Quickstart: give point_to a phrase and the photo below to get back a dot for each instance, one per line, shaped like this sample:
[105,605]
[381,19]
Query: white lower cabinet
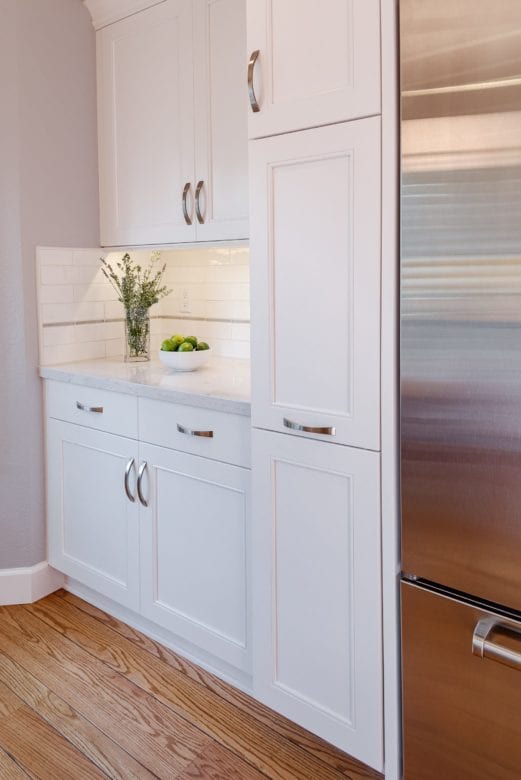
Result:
[194,551]
[93,527]
[158,530]
[317,592]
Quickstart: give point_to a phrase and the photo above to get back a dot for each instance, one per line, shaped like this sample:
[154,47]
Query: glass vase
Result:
[137,335]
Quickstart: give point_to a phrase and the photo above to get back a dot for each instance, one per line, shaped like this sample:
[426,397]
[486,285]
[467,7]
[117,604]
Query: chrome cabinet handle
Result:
[128,469]
[186,215]
[190,432]
[140,473]
[308,428]
[484,647]
[251,92]
[83,408]
[198,214]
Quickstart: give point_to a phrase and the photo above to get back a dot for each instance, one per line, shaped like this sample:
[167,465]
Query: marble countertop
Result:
[222,384]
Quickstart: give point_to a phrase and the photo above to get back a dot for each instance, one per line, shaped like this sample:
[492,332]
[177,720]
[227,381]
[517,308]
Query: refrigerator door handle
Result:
[484,647]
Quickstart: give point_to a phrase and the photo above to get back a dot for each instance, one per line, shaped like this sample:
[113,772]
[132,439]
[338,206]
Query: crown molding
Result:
[104,12]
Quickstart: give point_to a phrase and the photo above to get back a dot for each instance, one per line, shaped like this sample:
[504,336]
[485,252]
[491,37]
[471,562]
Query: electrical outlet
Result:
[185,303]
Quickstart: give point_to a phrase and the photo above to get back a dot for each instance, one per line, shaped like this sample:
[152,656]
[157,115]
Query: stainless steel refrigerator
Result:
[461,388]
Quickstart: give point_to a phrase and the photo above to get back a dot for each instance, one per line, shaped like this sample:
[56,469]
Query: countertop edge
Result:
[201,400]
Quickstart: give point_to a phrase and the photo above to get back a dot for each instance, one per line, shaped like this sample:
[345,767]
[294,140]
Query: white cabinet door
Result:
[316,589]
[93,528]
[318,63]
[146,126]
[315,263]
[194,551]
[221,119]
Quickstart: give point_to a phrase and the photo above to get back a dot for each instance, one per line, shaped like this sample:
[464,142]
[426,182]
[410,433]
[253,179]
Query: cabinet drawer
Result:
[93,408]
[182,428]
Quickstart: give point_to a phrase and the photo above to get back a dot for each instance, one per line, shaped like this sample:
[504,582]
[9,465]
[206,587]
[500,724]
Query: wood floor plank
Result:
[215,763]
[41,751]
[9,769]
[149,731]
[325,752]
[9,702]
[109,757]
[248,738]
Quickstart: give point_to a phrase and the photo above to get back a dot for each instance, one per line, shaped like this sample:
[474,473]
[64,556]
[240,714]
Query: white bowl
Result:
[184,361]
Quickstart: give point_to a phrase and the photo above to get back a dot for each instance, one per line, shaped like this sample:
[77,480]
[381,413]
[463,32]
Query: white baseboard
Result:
[28,584]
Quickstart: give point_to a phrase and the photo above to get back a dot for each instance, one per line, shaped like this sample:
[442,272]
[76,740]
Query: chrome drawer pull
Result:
[200,218]
[484,647]
[308,428]
[186,215]
[130,466]
[140,473]
[189,432]
[83,408]
[251,92]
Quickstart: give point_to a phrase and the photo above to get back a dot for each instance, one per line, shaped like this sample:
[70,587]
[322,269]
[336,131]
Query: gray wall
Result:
[48,196]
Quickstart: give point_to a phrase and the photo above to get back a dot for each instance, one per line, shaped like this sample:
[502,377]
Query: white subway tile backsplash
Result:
[89,311]
[227,292]
[57,312]
[113,310]
[94,292]
[67,353]
[88,257]
[229,273]
[61,334]
[115,347]
[57,274]
[240,331]
[48,256]
[56,293]
[72,289]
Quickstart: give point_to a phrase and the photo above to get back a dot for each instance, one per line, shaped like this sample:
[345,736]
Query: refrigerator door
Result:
[461,295]
[462,712]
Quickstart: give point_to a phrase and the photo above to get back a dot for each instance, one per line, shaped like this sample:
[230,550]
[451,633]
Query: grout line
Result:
[204,319]
[154,317]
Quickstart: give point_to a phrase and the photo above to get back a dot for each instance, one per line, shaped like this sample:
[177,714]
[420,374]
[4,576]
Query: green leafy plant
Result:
[137,287]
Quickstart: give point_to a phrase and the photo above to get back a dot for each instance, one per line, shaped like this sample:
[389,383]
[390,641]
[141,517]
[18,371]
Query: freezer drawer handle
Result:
[484,647]
[308,428]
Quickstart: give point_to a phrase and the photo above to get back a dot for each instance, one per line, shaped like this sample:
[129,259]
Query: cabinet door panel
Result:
[319,63]
[93,526]
[221,113]
[317,601]
[193,547]
[315,249]
[145,117]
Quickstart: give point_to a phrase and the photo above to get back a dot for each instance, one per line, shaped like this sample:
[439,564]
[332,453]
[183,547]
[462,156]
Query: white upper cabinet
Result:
[318,63]
[145,124]
[315,249]
[172,119]
[221,119]
[317,598]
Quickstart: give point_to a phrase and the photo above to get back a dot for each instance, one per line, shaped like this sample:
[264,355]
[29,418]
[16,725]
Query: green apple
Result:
[167,346]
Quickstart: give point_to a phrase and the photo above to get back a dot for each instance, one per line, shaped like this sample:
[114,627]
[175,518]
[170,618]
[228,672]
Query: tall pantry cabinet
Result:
[315,226]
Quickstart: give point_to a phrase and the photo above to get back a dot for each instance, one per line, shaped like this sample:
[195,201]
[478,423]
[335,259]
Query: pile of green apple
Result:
[178,343]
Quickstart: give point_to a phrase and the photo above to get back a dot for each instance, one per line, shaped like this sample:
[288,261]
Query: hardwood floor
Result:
[83,695]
